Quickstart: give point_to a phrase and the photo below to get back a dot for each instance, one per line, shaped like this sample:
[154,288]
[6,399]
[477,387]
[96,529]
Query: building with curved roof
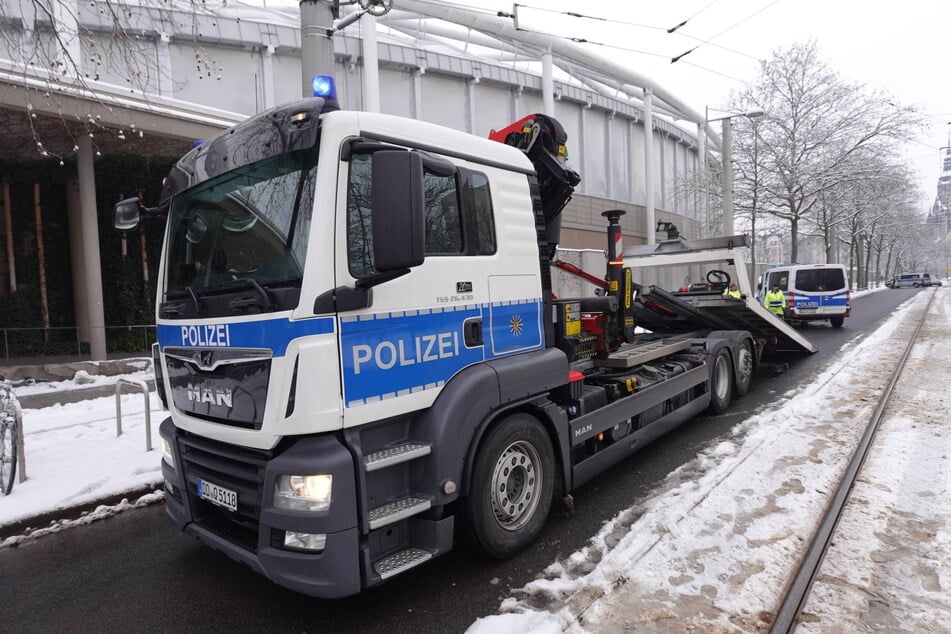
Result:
[84,81]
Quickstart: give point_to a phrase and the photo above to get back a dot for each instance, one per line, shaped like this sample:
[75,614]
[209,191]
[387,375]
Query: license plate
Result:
[217,495]
[806,311]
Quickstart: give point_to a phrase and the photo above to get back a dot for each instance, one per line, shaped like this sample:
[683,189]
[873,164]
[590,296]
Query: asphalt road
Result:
[134,573]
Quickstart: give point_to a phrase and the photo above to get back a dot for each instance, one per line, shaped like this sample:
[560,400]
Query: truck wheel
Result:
[744,368]
[721,383]
[837,321]
[512,486]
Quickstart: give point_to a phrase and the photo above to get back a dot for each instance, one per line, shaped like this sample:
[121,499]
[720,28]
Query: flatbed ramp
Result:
[660,310]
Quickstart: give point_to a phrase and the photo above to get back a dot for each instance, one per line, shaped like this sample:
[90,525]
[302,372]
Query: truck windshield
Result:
[249,224]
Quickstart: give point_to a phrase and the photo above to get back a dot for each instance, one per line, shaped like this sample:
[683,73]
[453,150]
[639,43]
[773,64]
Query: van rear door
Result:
[821,290]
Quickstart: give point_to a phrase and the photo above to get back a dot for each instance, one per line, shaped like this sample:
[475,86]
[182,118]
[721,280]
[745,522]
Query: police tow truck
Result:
[362,358]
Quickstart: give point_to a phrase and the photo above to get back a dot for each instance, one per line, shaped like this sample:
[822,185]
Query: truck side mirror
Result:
[398,200]
[126,214]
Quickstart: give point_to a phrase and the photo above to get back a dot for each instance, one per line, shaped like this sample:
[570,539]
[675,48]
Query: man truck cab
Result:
[813,291]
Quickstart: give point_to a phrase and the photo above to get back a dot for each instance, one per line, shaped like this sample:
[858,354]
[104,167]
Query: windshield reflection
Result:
[249,224]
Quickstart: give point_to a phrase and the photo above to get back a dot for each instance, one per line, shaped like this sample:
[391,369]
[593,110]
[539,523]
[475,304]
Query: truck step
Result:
[398,562]
[395,455]
[397,510]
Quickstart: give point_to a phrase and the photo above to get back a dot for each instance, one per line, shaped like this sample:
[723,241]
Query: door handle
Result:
[472,332]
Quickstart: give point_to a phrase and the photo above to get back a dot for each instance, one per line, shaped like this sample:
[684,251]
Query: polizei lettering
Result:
[213,336]
[204,394]
[390,354]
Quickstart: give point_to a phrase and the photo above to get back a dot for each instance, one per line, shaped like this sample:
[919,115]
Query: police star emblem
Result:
[515,325]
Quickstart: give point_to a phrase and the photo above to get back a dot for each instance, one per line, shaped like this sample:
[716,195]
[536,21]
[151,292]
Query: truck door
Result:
[427,325]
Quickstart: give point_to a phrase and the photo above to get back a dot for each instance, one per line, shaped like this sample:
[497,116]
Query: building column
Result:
[548,84]
[92,294]
[471,105]
[78,266]
[649,165]
[515,103]
[418,92]
[267,77]
[166,87]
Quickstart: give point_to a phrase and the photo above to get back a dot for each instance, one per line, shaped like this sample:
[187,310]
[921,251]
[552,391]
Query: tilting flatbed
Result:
[672,312]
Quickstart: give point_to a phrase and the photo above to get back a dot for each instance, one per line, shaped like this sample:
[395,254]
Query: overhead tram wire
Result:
[675,28]
[575,14]
[729,28]
[579,40]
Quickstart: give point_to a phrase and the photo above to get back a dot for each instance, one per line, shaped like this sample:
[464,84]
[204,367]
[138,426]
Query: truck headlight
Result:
[167,453]
[303,492]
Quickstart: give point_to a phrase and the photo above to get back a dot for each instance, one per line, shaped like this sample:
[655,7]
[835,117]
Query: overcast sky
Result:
[891,46]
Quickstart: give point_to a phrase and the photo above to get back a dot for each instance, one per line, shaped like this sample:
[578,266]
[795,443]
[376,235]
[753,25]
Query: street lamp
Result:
[726,153]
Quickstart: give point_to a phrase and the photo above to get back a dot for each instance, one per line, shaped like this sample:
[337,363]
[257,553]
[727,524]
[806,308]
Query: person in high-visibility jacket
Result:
[775,301]
[732,292]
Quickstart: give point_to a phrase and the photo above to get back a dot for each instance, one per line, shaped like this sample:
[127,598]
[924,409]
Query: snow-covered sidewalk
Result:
[713,550]
[74,456]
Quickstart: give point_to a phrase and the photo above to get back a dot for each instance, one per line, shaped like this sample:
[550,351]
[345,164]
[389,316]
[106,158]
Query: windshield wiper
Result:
[185,290]
[199,308]
[263,300]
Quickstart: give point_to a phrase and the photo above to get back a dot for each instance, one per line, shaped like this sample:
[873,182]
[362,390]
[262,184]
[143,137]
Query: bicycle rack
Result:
[148,413]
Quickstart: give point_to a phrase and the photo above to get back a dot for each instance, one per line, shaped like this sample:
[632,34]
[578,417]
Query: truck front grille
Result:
[228,387]
[235,468]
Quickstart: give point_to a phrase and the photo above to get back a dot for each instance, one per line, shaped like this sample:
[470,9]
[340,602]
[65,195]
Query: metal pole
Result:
[316,42]
[702,180]
[371,64]
[649,166]
[727,154]
[148,414]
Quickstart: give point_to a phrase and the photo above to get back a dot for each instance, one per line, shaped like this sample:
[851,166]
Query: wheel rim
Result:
[516,481]
[722,382]
[745,363]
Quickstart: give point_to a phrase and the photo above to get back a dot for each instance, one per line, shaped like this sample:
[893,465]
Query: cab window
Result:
[458,215]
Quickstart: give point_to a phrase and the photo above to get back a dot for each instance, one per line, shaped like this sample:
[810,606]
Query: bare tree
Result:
[818,132]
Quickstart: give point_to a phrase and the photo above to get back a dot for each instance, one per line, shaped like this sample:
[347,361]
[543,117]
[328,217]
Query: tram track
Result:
[801,582]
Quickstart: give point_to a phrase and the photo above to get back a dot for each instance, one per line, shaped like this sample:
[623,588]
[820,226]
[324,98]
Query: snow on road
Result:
[713,550]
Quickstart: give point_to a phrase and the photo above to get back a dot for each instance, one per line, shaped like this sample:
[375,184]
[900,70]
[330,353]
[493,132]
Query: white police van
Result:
[813,291]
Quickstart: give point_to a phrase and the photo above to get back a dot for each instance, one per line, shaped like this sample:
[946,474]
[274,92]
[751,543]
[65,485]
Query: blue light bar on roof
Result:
[324,86]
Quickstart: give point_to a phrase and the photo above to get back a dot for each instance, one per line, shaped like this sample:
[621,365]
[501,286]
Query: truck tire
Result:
[512,486]
[721,382]
[837,321]
[744,367]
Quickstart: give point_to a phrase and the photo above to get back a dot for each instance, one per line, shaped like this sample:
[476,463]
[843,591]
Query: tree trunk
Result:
[794,248]
[41,261]
[8,224]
